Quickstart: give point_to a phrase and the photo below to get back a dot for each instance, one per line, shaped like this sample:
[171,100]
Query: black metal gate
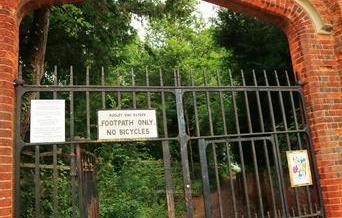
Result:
[232,132]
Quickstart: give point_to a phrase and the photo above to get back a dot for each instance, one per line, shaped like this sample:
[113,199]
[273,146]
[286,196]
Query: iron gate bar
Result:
[231,180]
[84,141]
[312,156]
[183,141]
[103,94]
[134,92]
[73,173]
[282,108]
[18,148]
[99,88]
[148,93]
[178,91]
[277,152]
[54,153]
[37,169]
[225,131]
[298,137]
[315,172]
[309,215]
[251,139]
[37,183]
[87,105]
[202,146]
[167,157]
[194,97]
[262,127]
[250,128]
[237,124]
[80,179]
[214,149]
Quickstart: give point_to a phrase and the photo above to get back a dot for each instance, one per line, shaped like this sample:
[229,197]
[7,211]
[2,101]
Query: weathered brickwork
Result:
[8,66]
[317,61]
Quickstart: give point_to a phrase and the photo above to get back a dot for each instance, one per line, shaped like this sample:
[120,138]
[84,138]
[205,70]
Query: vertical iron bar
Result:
[231,179]
[187,121]
[54,153]
[312,156]
[88,104]
[167,157]
[213,145]
[308,193]
[103,94]
[293,212]
[72,147]
[255,162]
[55,81]
[282,108]
[262,127]
[168,180]
[183,140]
[227,147]
[205,177]
[18,148]
[37,164]
[148,93]
[240,147]
[82,205]
[275,156]
[37,182]
[188,126]
[304,210]
[119,93]
[222,105]
[194,97]
[179,81]
[133,93]
[17,181]
[277,152]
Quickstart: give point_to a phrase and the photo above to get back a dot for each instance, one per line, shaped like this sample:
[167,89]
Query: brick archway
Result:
[316,57]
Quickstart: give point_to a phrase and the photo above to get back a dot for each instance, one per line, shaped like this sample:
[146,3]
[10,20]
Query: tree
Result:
[78,36]
[255,44]
[38,36]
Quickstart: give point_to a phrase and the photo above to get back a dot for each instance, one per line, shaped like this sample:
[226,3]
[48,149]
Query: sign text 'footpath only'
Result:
[127,124]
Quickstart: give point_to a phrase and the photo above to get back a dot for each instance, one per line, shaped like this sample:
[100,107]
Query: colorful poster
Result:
[299,168]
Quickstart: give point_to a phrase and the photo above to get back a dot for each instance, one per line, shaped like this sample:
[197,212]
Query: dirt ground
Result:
[227,203]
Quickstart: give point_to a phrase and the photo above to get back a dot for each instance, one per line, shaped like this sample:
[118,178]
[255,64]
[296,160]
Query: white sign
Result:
[47,121]
[299,168]
[127,124]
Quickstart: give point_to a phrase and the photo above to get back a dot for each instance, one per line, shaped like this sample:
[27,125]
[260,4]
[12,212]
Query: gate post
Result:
[9,33]
[183,141]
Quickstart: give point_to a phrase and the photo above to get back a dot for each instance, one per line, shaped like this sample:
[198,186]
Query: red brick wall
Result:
[317,61]
[8,66]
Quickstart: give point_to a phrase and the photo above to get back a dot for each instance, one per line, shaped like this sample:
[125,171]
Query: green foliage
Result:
[81,33]
[46,187]
[185,45]
[255,45]
[131,182]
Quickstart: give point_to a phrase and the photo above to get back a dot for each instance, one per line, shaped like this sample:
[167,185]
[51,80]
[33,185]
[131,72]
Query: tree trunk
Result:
[38,40]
